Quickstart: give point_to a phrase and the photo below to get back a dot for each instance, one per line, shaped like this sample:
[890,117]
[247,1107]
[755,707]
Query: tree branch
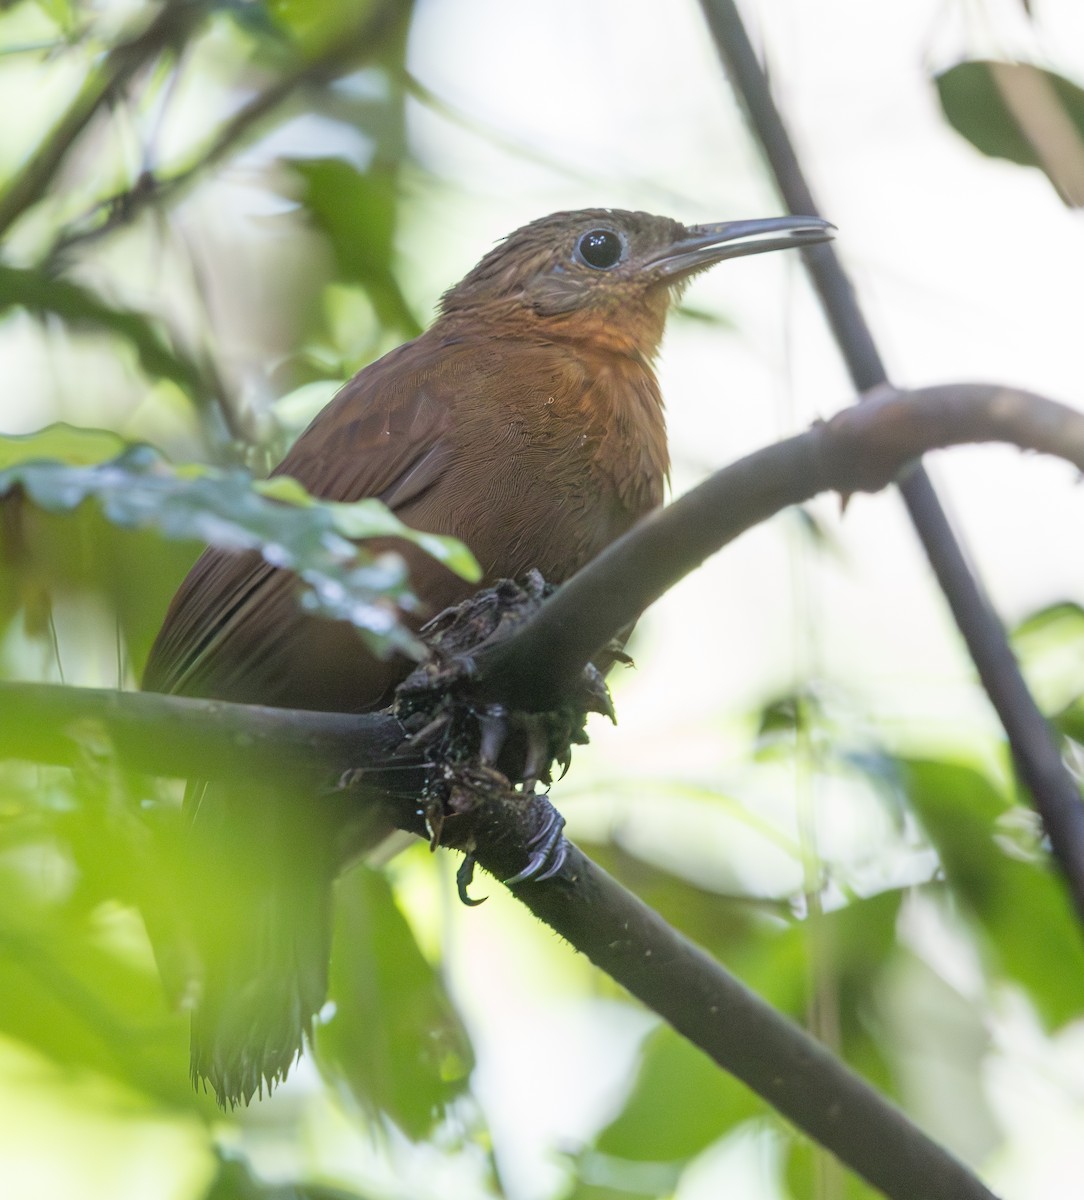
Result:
[102,86]
[172,735]
[862,448]
[794,1073]
[347,53]
[1038,760]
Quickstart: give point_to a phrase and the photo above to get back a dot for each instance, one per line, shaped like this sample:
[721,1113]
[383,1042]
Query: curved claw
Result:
[549,850]
[463,879]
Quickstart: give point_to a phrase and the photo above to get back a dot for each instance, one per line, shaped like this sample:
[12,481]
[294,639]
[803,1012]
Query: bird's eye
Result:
[600,248]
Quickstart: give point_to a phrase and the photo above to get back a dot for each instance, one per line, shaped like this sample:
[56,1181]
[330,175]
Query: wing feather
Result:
[232,629]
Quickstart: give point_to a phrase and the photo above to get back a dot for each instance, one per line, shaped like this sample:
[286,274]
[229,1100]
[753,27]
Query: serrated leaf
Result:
[394,1041]
[1021,113]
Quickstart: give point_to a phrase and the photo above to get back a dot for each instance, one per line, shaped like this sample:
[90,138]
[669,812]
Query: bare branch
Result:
[103,86]
[348,53]
[862,448]
[175,735]
[795,1074]
[1053,790]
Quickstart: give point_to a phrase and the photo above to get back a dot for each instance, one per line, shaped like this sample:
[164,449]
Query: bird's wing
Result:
[386,434]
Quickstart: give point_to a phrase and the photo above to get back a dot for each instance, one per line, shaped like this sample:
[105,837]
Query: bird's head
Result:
[606,269]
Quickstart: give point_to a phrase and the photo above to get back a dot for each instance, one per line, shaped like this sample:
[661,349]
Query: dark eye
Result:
[600,248]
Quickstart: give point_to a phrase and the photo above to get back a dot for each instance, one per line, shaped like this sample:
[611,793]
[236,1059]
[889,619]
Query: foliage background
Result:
[805,777]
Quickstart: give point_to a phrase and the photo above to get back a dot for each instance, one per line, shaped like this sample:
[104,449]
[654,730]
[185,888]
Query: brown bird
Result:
[527,422]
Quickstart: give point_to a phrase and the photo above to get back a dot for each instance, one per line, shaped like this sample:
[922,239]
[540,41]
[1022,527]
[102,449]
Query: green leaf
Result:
[996,868]
[394,1040]
[1009,110]
[83,1004]
[371,518]
[139,490]
[357,211]
[68,443]
[804,1178]
[235,1181]
[1050,646]
[680,1104]
[81,308]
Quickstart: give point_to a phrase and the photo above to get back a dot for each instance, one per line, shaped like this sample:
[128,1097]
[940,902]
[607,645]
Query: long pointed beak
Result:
[704,245]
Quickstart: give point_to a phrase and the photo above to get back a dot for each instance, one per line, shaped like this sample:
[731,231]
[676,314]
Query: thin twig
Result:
[348,53]
[103,86]
[1053,790]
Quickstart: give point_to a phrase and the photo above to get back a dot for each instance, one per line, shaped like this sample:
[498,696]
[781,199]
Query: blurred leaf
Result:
[599,1176]
[235,1181]
[790,713]
[1022,113]
[357,211]
[680,1104]
[227,509]
[1050,646]
[68,443]
[1007,885]
[82,1004]
[803,1175]
[316,24]
[394,1040]
[720,923]
[1063,621]
[1070,721]
[81,308]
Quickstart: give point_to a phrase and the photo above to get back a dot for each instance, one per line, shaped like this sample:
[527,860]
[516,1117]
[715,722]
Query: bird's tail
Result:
[261,874]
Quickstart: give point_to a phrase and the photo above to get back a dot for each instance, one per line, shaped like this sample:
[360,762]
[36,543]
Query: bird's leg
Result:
[490,761]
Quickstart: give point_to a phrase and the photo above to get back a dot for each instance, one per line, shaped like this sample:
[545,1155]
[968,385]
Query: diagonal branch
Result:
[862,448]
[1035,750]
[599,917]
[795,1074]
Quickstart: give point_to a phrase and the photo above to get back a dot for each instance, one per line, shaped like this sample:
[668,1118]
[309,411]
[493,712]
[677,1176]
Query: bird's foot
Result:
[548,849]
[488,764]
